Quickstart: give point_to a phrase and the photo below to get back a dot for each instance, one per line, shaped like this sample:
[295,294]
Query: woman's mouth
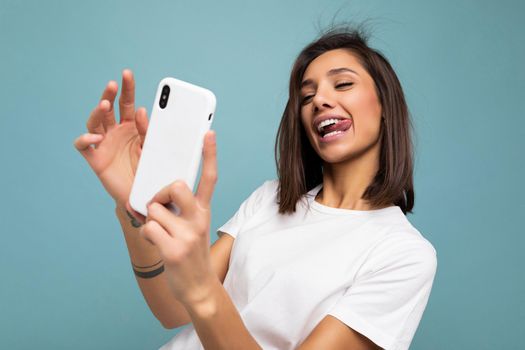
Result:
[333,129]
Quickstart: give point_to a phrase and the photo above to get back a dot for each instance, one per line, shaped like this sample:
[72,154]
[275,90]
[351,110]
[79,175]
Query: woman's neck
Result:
[344,183]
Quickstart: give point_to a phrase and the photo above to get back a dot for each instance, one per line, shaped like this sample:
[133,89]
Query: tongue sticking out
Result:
[343,125]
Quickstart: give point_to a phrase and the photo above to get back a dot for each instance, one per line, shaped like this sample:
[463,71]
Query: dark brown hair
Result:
[299,167]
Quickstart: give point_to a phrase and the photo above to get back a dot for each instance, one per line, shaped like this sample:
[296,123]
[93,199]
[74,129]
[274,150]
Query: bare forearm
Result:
[218,323]
[141,252]
[156,291]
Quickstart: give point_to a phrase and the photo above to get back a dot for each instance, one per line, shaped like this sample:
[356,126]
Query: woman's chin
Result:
[335,158]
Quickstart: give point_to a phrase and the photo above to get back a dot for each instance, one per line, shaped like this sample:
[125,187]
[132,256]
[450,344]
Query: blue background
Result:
[66,276]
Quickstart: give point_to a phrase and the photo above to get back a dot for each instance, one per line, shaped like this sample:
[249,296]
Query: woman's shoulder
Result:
[262,193]
[405,243]
[266,189]
[271,185]
[399,238]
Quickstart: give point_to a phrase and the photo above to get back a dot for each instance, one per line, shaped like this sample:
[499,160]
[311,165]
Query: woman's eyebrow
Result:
[331,72]
[340,70]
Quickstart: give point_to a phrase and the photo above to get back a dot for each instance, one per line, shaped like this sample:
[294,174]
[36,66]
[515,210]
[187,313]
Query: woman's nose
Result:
[322,100]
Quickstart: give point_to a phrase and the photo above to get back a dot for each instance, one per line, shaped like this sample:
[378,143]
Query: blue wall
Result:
[66,277]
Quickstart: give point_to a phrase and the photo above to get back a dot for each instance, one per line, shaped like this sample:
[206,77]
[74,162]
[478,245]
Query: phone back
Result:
[173,144]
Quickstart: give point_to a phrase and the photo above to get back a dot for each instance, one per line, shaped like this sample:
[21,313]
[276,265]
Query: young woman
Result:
[322,257]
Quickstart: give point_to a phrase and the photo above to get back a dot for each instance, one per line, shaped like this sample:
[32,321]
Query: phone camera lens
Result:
[164,97]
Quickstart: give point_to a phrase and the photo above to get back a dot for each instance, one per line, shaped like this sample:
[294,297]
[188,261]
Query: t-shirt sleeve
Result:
[248,208]
[386,301]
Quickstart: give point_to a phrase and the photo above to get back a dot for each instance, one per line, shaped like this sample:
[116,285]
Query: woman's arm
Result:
[160,299]
[166,308]
[218,323]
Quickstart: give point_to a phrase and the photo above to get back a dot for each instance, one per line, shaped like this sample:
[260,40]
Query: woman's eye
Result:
[306,99]
[348,83]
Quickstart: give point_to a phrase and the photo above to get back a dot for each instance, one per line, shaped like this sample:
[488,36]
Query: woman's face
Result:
[335,86]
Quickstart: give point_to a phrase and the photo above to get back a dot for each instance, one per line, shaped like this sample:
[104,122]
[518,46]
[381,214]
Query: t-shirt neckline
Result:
[340,211]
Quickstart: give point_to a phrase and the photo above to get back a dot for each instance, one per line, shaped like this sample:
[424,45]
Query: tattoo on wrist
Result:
[146,267]
[134,222]
[149,274]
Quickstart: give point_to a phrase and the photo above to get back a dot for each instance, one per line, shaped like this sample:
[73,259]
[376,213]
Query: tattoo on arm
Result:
[134,222]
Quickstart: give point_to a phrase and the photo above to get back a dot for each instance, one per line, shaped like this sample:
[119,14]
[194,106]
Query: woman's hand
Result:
[113,150]
[183,240]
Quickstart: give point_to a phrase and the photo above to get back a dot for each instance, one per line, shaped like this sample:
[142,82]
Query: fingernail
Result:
[212,137]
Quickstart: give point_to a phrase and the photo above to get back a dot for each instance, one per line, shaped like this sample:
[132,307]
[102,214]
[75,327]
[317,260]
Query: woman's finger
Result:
[109,94]
[164,217]
[95,122]
[108,117]
[127,96]
[141,121]
[209,170]
[84,142]
[110,91]
[179,194]
[156,235]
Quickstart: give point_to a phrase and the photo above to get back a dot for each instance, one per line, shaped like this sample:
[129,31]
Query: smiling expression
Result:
[337,88]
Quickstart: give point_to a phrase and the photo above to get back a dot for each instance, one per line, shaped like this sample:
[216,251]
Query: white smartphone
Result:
[182,113]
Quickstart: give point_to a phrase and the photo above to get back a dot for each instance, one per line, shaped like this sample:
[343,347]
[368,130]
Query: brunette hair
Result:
[299,167]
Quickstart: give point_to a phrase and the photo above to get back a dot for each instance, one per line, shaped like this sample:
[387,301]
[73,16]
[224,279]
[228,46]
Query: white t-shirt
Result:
[372,270]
